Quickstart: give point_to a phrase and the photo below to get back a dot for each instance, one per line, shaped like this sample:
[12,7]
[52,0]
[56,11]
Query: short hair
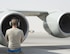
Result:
[14,21]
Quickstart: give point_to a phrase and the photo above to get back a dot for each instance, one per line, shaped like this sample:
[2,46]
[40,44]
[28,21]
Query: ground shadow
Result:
[38,49]
[57,47]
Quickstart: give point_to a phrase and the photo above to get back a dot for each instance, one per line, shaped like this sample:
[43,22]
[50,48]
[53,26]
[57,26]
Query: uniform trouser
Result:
[15,51]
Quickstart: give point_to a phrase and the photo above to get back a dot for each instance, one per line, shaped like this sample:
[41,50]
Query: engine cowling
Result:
[58,24]
[5,17]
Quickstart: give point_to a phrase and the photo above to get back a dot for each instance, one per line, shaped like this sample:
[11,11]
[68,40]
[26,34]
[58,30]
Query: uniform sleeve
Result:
[6,36]
[22,36]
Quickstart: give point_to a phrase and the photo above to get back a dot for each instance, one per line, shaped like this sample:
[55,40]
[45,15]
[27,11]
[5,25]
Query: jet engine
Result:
[5,17]
[58,24]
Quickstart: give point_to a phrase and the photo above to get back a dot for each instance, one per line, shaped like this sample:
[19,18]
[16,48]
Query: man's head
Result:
[14,22]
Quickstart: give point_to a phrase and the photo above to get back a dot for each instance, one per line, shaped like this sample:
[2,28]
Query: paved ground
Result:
[41,43]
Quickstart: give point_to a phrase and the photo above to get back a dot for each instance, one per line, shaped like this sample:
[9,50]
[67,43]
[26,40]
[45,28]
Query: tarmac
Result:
[43,43]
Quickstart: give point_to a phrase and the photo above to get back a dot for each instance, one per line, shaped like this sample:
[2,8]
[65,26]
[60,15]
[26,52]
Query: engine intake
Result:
[5,18]
[64,23]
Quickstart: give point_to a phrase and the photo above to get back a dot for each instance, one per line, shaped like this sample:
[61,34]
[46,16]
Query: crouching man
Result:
[14,37]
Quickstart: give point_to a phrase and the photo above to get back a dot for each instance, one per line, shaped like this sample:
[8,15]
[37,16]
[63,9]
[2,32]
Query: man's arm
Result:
[22,36]
[6,38]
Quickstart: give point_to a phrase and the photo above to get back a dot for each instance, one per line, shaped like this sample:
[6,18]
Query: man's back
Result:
[15,37]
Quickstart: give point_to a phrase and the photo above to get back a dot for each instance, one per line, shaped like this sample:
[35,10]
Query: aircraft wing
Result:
[57,23]
[41,14]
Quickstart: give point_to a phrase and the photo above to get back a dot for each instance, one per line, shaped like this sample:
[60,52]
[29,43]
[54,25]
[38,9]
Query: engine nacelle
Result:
[58,24]
[5,17]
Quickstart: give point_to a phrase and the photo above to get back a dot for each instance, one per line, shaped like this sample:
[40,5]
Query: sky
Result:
[35,4]
[38,5]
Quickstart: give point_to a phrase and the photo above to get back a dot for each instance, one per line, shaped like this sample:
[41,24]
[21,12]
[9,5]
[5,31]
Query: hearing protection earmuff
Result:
[18,23]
